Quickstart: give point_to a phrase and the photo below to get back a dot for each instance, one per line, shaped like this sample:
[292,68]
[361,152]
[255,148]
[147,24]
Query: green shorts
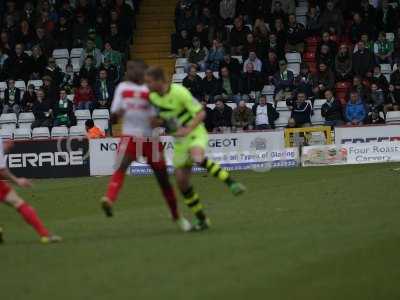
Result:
[197,138]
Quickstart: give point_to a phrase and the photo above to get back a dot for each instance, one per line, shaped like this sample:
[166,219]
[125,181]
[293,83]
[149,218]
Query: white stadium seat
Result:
[294,57]
[180,65]
[386,68]
[3,86]
[239,58]
[318,103]
[281,106]
[76,52]
[77,131]
[283,118]
[26,119]
[59,132]
[20,84]
[6,133]
[316,118]
[22,133]
[268,90]
[201,74]
[39,133]
[301,11]
[178,78]
[60,53]
[393,117]
[101,118]
[36,83]
[62,63]
[82,115]
[8,121]
[76,64]
[302,20]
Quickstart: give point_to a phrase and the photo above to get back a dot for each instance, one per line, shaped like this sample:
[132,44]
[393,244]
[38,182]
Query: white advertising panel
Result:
[233,151]
[367,134]
[366,153]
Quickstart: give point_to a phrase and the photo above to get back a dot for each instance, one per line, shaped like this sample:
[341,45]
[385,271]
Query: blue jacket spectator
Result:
[355,110]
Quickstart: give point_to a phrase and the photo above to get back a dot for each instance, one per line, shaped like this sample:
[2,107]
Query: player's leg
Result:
[1,235]
[28,214]
[125,156]
[197,146]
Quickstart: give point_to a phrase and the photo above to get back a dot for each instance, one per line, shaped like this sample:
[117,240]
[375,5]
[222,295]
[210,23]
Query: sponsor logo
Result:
[259,143]
[223,143]
[378,139]
[22,160]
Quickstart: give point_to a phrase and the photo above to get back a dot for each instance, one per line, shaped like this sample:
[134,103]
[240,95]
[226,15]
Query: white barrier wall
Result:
[234,151]
[367,134]
[348,154]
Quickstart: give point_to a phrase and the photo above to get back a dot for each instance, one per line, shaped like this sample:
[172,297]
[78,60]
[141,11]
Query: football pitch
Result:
[311,233]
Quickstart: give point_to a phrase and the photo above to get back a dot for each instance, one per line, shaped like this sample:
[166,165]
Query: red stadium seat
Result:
[313,67]
[342,86]
[309,57]
[312,41]
[342,98]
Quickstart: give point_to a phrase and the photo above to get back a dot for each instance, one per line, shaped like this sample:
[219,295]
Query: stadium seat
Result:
[76,64]
[3,86]
[40,133]
[25,119]
[8,121]
[101,118]
[201,74]
[294,67]
[22,133]
[62,63]
[393,117]
[342,87]
[61,53]
[216,74]
[229,27]
[281,106]
[309,57]
[386,68]
[76,52]
[390,36]
[77,131]
[312,41]
[178,78]
[239,58]
[316,118]
[268,90]
[37,83]
[231,105]
[82,115]
[28,52]
[302,20]
[6,133]
[59,132]
[318,103]
[20,84]
[180,65]
[293,57]
[283,118]
[302,4]
[301,10]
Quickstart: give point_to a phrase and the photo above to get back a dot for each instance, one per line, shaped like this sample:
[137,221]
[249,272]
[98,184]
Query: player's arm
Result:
[116,106]
[20,181]
[196,121]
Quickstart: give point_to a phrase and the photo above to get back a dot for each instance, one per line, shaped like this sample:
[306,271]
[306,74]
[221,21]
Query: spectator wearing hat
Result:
[63,110]
[343,64]
[242,117]
[93,52]
[84,97]
[355,112]
[28,99]
[12,98]
[265,114]
[331,110]
[103,90]
[283,81]
[221,116]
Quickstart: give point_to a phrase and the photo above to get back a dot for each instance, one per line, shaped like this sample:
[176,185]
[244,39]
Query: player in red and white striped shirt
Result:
[131,103]
[10,197]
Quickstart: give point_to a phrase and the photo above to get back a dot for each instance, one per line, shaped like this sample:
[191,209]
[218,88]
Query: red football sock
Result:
[170,198]
[30,217]
[115,185]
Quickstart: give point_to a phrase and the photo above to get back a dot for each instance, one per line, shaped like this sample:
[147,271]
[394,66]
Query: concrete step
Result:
[162,24]
[151,55]
[161,39]
[157,10]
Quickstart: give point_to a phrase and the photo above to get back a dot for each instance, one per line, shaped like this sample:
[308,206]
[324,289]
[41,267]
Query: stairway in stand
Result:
[152,39]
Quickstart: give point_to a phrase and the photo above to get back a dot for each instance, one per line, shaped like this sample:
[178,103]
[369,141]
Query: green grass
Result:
[312,233]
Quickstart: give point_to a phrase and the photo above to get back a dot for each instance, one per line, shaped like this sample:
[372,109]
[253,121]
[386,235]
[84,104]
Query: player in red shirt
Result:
[131,103]
[10,197]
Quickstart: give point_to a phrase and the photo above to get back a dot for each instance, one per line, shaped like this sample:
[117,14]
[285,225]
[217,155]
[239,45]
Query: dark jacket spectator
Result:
[222,116]
[343,64]
[12,98]
[42,111]
[208,121]
[323,80]
[103,90]
[252,81]
[331,110]
[332,17]
[231,63]
[210,86]
[229,85]
[386,17]
[284,79]
[89,71]
[28,99]
[20,64]
[193,83]
[237,36]
[53,71]
[301,111]
[363,60]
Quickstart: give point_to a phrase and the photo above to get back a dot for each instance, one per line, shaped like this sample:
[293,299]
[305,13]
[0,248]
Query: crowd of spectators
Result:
[342,46]
[32,30]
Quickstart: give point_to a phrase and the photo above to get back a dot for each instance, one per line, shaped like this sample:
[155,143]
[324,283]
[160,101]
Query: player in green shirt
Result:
[183,116]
